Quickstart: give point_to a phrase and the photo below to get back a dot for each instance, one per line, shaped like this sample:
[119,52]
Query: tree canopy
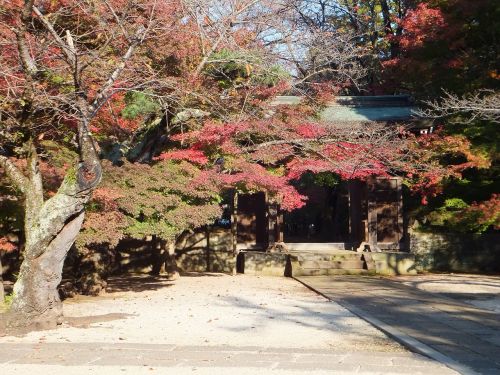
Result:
[141,114]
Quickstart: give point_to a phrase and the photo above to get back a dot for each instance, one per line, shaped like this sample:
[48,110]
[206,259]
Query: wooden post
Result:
[400,212]
[280,224]
[207,248]
[372,213]
[234,230]
[272,214]
[356,222]
[349,205]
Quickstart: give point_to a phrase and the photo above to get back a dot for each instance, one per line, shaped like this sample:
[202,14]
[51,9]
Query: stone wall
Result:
[456,252]
[263,264]
[394,263]
[202,251]
[207,251]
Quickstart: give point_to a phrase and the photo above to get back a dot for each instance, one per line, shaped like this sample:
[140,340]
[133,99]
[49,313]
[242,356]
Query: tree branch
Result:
[484,104]
[227,24]
[295,141]
[203,62]
[35,177]
[101,96]
[27,61]
[68,50]
[14,174]
[125,33]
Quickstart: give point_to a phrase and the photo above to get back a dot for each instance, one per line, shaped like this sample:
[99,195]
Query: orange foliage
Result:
[6,245]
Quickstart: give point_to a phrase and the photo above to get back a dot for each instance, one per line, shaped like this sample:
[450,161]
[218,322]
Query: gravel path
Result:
[209,324]
[213,310]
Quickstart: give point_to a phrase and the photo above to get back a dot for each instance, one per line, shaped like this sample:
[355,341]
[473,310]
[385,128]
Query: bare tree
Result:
[306,40]
[217,22]
[308,50]
[480,105]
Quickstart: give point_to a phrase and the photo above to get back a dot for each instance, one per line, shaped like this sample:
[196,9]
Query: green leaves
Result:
[271,76]
[454,204]
[139,104]
[139,200]
[232,68]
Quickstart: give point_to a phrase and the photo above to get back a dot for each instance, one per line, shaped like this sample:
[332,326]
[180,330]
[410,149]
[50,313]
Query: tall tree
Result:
[449,59]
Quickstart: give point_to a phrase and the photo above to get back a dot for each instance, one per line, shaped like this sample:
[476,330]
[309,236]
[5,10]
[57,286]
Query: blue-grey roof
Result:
[362,114]
[361,108]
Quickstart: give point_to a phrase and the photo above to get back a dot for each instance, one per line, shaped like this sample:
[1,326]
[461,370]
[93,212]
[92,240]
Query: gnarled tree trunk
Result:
[51,227]
[36,298]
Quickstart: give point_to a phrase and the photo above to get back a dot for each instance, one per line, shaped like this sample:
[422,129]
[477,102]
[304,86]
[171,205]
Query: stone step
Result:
[385,263]
[330,272]
[317,246]
[338,264]
[336,259]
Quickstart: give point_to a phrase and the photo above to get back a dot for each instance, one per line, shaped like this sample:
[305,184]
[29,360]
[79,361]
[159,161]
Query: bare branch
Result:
[14,174]
[118,21]
[67,48]
[102,95]
[27,61]
[204,61]
[483,104]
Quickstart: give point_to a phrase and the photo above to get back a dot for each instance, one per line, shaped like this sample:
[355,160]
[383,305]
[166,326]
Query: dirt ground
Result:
[213,309]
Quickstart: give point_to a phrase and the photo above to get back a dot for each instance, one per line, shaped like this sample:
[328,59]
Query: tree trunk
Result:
[163,258]
[36,299]
[158,256]
[50,227]
[386,15]
[170,262]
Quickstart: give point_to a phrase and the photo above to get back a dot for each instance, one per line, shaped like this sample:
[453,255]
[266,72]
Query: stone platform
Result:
[310,262]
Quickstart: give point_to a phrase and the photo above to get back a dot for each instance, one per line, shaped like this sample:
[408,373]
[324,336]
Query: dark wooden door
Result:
[252,225]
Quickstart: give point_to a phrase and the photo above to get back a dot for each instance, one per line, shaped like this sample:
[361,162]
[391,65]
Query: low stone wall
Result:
[202,251]
[206,251]
[456,252]
[211,251]
[262,264]
[394,263]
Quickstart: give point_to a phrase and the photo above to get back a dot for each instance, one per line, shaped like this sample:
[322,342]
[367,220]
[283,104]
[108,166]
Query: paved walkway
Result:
[119,358]
[464,334]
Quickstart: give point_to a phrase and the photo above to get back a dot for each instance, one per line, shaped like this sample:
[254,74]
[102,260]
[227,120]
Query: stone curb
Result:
[407,341]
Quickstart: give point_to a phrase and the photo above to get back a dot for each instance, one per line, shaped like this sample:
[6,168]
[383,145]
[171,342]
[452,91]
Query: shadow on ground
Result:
[464,333]
[86,321]
[137,283]
[141,282]
[202,274]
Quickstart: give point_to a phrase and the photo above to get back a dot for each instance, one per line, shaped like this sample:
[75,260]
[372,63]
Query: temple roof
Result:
[362,108]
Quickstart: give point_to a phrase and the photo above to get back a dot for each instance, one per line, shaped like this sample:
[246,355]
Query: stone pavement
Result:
[119,358]
[466,336]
